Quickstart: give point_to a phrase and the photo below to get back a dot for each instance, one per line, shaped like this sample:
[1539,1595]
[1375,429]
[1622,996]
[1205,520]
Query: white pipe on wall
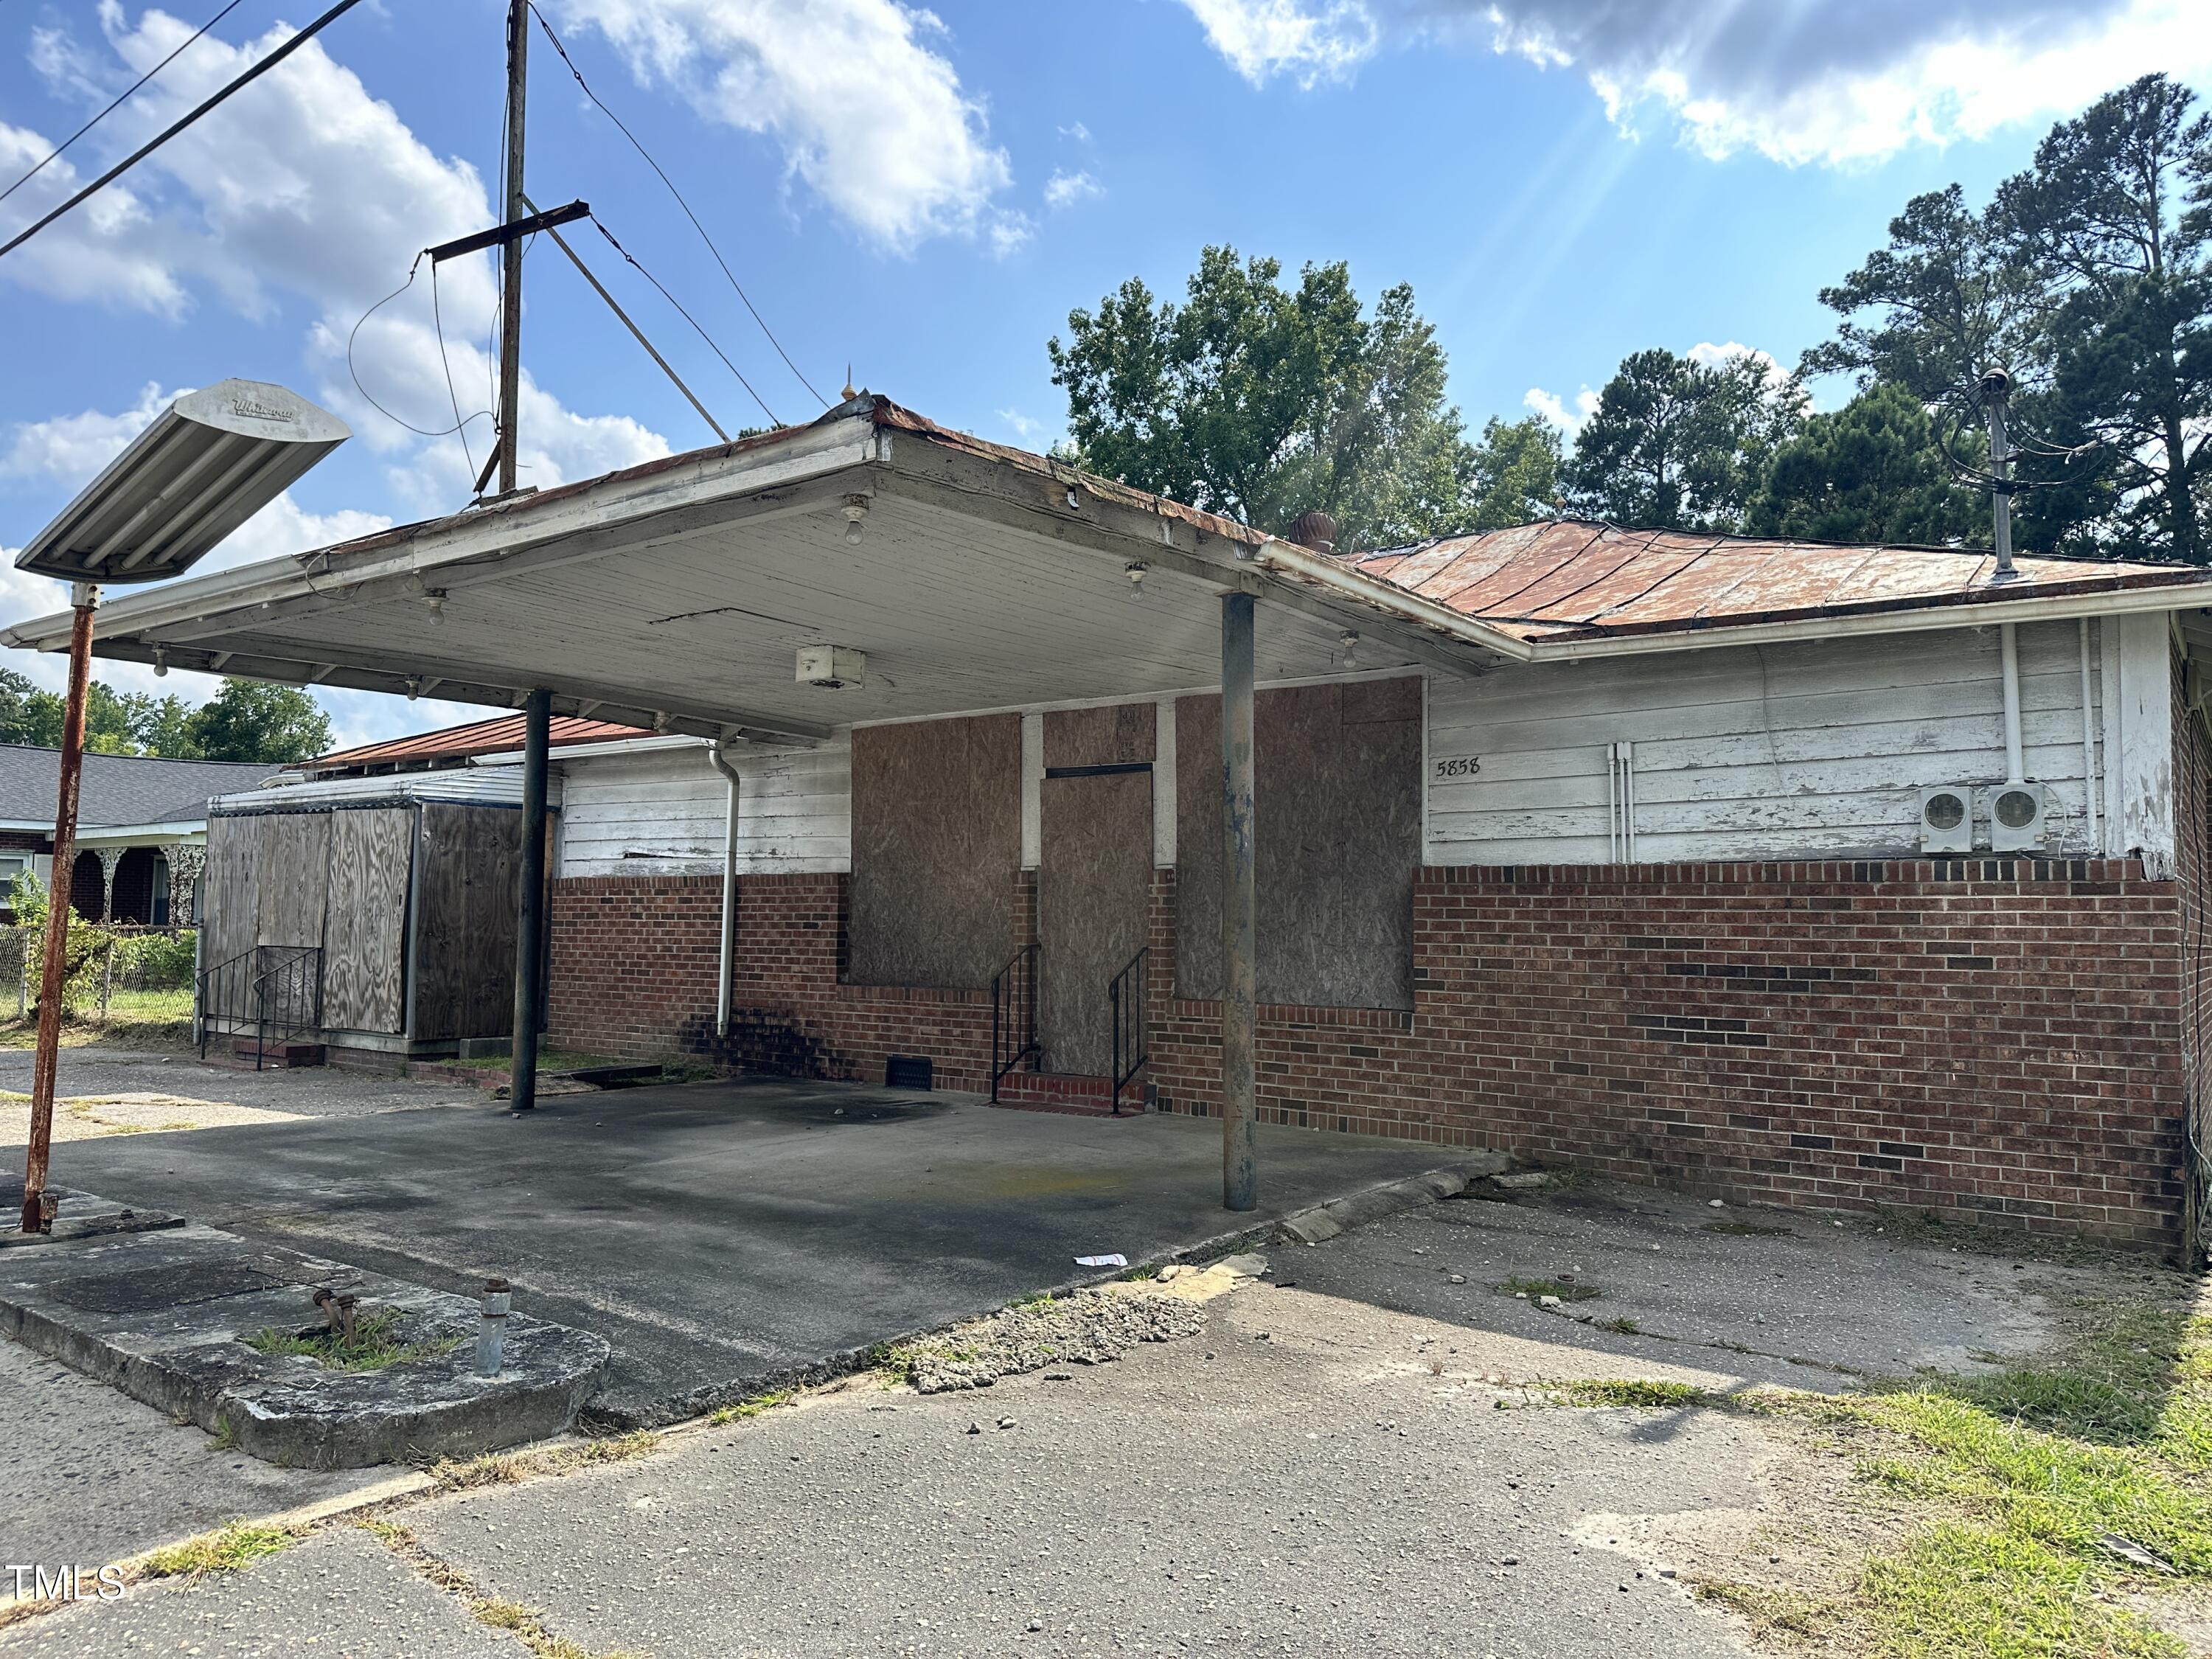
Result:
[2008,640]
[2089,742]
[719,755]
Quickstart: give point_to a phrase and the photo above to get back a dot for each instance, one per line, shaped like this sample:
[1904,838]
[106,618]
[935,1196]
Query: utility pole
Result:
[1996,387]
[510,257]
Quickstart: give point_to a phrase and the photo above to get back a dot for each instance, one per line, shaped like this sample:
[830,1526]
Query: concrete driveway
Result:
[725,1235]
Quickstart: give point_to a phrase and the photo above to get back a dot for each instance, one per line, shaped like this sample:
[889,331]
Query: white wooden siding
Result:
[1806,749]
[661,813]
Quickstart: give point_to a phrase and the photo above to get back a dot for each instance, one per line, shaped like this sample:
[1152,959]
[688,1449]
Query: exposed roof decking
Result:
[491,737]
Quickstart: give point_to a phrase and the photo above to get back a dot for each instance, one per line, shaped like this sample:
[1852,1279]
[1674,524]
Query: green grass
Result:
[231,1549]
[502,1469]
[376,1346]
[1619,1327]
[1566,1290]
[2006,1485]
[749,1408]
[1636,1391]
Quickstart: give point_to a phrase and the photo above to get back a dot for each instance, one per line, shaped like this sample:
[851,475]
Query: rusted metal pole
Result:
[1240,1175]
[529,915]
[84,597]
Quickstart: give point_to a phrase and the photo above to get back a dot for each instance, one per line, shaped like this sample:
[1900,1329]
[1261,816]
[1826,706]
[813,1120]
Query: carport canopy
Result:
[678,595]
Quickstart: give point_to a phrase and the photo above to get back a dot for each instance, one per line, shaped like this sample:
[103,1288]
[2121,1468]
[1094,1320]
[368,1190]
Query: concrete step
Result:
[1071,1092]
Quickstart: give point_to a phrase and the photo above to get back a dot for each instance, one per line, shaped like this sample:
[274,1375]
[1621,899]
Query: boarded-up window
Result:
[1337,839]
[937,840]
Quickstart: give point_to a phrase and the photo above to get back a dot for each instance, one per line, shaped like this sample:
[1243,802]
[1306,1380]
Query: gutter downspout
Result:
[719,755]
[2010,642]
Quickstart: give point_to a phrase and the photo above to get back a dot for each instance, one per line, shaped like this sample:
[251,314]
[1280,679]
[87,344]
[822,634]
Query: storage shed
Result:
[371,916]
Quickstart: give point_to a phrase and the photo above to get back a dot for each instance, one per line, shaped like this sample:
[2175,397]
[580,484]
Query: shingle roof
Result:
[493,737]
[1569,578]
[120,788]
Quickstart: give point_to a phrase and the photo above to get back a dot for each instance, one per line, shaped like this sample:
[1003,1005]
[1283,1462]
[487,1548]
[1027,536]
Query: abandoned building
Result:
[1826,875]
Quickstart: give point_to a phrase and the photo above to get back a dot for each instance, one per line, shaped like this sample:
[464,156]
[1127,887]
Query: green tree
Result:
[1513,476]
[1871,471]
[1678,444]
[253,720]
[1261,402]
[2115,221]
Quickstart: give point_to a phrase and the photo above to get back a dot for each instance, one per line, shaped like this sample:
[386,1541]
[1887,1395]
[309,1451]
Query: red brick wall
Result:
[1995,1038]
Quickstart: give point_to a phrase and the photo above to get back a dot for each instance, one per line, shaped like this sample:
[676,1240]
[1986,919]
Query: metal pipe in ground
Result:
[84,598]
[491,1326]
[1240,1175]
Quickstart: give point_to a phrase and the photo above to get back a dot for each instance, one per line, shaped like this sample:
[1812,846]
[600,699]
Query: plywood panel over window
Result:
[1337,839]
[937,840]
[363,955]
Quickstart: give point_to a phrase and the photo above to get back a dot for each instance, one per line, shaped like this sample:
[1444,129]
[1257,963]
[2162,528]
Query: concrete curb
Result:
[1312,1225]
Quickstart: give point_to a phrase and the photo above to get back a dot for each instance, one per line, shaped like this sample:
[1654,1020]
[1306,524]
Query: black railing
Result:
[1013,1014]
[1125,992]
[273,992]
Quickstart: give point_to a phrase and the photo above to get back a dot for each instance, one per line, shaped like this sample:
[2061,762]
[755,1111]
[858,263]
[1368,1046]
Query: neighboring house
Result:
[452,746]
[141,823]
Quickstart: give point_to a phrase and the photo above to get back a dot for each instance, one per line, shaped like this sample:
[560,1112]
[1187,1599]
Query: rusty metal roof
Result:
[458,743]
[1573,578]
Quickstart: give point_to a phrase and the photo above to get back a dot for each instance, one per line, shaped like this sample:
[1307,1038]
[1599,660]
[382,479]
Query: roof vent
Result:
[1315,529]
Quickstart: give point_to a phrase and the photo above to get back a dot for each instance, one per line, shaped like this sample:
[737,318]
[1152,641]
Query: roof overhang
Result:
[676,595]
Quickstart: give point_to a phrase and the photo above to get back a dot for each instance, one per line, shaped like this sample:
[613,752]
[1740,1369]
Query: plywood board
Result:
[1094,888]
[229,906]
[293,877]
[364,959]
[1112,736]
[1336,837]
[464,940]
[936,847]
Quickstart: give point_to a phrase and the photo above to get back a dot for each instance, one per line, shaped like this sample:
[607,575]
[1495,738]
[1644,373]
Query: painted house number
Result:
[1460,766]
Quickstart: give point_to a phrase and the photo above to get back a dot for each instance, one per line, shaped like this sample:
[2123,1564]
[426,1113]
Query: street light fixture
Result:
[207,464]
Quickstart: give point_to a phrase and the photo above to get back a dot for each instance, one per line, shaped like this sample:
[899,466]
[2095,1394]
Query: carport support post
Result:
[84,597]
[530,919]
[1240,900]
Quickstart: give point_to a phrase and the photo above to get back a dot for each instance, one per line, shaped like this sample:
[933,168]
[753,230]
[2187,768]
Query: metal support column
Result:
[530,919]
[516,206]
[1240,1175]
[84,597]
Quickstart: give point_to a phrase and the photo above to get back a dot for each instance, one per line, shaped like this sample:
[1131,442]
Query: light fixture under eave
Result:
[856,514]
[160,661]
[436,600]
[1347,649]
[209,462]
[1135,571]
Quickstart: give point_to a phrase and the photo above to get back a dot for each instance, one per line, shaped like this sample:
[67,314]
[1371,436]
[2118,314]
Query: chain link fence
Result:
[124,974]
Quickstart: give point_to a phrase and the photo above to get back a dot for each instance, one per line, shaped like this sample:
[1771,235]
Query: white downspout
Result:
[718,754]
[2008,640]
[2088,743]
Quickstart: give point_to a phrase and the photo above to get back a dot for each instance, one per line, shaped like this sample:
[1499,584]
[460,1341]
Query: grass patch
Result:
[1636,1391]
[1622,1327]
[376,1346]
[1565,1289]
[504,1469]
[2024,1492]
[230,1549]
[525,1624]
[749,1408]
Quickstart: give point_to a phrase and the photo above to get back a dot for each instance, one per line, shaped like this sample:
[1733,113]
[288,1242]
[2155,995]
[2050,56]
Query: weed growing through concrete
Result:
[1636,1391]
[230,1549]
[748,1408]
[1621,1326]
[2036,1497]
[504,1469]
[1565,1289]
[527,1625]
[376,1346]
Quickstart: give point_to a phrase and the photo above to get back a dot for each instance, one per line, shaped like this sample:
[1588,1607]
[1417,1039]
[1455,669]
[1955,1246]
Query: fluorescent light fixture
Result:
[209,461]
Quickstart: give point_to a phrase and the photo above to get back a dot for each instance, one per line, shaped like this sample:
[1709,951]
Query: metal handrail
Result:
[278,988]
[1013,1014]
[1125,993]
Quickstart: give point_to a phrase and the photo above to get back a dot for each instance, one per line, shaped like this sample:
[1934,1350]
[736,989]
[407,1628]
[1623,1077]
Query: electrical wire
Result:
[686,206]
[124,97]
[689,318]
[368,397]
[438,322]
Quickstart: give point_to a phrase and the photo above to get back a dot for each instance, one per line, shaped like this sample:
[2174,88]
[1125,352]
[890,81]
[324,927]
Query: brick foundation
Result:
[1992,1038]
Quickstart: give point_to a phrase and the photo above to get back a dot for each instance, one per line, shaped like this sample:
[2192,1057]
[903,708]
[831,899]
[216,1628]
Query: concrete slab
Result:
[726,1236]
[167,1317]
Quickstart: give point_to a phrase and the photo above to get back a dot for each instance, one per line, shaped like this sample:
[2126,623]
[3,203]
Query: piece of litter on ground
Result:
[1116,1260]
[2129,1551]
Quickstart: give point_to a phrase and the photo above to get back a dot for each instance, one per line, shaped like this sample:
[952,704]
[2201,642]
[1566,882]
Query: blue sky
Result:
[924,194]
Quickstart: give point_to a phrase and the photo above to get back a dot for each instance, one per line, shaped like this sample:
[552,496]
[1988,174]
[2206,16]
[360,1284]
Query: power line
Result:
[438,323]
[369,398]
[111,109]
[681,203]
[688,318]
[178,126]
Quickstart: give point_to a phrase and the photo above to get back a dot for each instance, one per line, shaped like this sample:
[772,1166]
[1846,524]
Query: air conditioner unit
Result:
[2015,816]
[1947,819]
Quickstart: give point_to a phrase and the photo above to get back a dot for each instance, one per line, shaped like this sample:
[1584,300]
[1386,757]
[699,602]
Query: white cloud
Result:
[1021,426]
[70,448]
[1709,355]
[1553,408]
[1310,39]
[868,115]
[1076,130]
[1828,81]
[1064,190]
